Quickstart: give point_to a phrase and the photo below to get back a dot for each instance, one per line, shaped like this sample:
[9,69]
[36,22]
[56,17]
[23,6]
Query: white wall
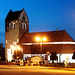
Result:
[26,55]
[9,55]
[63,57]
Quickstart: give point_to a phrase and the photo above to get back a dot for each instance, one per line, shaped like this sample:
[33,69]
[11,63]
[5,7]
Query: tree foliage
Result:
[18,55]
[73,57]
[53,57]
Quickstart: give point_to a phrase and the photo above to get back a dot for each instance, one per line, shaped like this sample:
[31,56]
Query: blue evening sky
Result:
[44,15]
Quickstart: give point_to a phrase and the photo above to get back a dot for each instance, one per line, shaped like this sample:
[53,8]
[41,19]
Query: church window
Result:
[6,41]
[23,17]
[10,26]
[14,26]
[22,25]
[25,26]
[17,40]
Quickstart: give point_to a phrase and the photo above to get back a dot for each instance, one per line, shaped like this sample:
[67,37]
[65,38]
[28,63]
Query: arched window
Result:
[22,25]
[10,26]
[13,25]
[25,26]
[23,17]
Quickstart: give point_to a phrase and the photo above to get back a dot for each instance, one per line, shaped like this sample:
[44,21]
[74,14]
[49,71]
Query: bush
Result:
[53,57]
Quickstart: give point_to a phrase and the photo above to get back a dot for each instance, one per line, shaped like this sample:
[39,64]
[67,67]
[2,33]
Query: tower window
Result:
[6,41]
[17,40]
[23,17]
[25,26]
[10,26]
[14,26]
[22,25]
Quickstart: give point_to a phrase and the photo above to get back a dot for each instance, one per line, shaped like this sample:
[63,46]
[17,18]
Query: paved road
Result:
[33,71]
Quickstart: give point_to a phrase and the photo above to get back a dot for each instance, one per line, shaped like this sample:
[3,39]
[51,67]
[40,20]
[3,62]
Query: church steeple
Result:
[16,25]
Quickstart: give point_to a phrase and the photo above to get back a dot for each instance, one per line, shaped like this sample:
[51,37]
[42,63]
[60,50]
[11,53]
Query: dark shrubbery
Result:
[73,57]
[53,57]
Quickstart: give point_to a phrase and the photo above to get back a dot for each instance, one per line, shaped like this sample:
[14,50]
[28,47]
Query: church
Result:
[17,34]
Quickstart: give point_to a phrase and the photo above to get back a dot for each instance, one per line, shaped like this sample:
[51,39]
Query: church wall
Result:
[15,35]
[26,21]
[23,14]
[11,36]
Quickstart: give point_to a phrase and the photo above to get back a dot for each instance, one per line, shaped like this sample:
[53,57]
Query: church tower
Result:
[16,25]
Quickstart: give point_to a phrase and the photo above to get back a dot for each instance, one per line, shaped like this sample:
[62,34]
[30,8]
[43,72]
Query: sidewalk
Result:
[40,67]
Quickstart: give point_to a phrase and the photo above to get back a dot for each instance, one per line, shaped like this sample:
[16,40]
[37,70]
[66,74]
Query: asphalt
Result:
[41,67]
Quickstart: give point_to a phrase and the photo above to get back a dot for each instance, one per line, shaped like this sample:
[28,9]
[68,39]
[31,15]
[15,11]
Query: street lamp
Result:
[41,40]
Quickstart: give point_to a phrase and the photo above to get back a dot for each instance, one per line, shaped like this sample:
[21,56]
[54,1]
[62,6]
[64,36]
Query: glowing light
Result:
[48,52]
[18,48]
[44,39]
[13,48]
[38,39]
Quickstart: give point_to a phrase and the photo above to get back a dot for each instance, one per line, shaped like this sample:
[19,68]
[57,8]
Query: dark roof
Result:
[13,15]
[52,36]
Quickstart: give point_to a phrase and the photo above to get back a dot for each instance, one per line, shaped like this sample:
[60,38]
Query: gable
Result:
[17,15]
[67,37]
[23,15]
[12,15]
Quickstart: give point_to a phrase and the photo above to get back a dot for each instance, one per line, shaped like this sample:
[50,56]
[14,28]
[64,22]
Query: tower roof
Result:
[13,15]
[52,36]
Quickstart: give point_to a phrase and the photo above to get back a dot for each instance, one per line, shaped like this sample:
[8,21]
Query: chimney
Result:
[10,10]
[23,8]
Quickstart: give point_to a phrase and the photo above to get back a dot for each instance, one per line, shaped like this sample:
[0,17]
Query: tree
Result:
[73,57]
[53,57]
[18,55]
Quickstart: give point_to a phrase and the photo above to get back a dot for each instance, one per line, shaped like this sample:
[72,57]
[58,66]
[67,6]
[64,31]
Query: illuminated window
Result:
[6,41]
[17,40]
[25,26]
[22,25]
[10,26]
[14,43]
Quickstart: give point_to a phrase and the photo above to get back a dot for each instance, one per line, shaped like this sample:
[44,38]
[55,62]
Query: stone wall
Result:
[11,36]
[15,35]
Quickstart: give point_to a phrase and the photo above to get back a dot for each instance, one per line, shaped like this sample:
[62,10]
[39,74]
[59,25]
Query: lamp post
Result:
[41,40]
